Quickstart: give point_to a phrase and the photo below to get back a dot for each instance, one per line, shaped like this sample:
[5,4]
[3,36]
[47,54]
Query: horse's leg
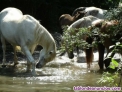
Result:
[28,66]
[89,52]
[4,49]
[30,59]
[15,56]
[77,49]
[101,49]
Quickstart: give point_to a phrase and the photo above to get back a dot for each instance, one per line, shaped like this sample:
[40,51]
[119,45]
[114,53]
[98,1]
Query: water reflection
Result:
[51,79]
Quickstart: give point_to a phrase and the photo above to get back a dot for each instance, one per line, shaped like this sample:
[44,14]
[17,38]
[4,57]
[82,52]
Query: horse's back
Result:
[83,22]
[11,14]
[17,28]
[97,12]
[94,11]
[9,20]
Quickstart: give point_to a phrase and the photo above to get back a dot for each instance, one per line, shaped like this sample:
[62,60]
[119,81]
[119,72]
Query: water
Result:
[60,75]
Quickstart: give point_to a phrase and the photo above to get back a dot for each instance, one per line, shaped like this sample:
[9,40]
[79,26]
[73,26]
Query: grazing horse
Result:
[25,31]
[104,27]
[67,19]
[94,11]
[82,23]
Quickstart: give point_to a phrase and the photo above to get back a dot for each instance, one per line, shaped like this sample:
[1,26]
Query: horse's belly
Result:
[10,35]
[11,40]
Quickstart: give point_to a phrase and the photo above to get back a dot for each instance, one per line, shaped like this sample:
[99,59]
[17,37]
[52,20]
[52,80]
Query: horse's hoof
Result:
[34,73]
[4,66]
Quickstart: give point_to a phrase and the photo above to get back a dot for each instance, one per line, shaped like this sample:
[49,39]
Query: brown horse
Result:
[103,28]
[107,41]
[81,23]
[94,11]
[67,19]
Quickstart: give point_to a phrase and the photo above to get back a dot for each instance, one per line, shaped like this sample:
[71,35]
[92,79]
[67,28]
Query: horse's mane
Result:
[47,42]
[42,34]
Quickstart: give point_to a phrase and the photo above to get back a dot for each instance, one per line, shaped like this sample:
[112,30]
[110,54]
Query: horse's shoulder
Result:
[29,18]
[28,22]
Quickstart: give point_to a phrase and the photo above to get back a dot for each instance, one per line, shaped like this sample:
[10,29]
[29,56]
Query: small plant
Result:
[109,79]
[76,37]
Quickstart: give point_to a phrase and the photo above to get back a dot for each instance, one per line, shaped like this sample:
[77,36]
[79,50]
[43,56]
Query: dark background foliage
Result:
[49,11]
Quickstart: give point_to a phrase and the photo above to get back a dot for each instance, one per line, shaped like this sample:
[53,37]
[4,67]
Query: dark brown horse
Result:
[67,19]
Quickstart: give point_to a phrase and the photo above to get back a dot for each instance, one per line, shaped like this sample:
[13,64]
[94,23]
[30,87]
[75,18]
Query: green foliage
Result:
[113,64]
[109,79]
[76,37]
[114,32]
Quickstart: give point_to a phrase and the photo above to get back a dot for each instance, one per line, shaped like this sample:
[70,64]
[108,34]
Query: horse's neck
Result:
[74,18]
[48,43]
[46,40]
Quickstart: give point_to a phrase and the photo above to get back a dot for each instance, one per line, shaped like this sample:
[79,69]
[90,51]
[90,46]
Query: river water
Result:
[60,75]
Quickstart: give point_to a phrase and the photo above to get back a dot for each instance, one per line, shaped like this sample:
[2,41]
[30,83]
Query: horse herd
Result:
[25,32]
[92,17]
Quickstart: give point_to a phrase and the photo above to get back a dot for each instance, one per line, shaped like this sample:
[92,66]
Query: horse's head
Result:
[65,20]
[78,9]
[48,53]
[45,58]
[70,54]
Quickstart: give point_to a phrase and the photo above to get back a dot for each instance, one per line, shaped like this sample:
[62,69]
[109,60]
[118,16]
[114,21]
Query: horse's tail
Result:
[89,53]
[18,48]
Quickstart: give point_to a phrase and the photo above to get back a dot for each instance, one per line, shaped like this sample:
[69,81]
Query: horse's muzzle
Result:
[71,56]
[39,66]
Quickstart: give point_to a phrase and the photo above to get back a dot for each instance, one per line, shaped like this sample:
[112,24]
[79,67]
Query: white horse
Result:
[94,11]
[26,32]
